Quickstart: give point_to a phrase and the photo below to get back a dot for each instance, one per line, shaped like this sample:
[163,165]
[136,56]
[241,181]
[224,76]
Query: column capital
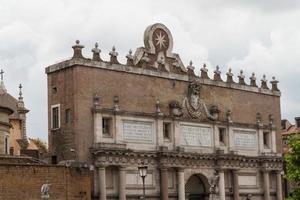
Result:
[163,168]
[265,170]
[100,166]
[180,169]
[122,167]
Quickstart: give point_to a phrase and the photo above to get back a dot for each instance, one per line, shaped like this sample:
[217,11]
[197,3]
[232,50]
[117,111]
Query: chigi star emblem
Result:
[160,39]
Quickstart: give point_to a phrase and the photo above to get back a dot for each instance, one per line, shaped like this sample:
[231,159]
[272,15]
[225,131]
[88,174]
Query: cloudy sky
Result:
[253,35]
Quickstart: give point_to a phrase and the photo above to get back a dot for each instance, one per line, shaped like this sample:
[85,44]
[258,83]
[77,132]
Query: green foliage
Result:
[292,159]
[40,144]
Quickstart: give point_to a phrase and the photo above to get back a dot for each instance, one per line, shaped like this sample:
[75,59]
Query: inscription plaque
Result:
[250,180]
[245,139]
[137,131]
[134,179]
[195,136]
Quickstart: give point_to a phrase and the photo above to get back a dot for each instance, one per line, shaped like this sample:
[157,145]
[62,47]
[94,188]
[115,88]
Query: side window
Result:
[267,140]
[107,126]
[6,145]
[167,130]
[222,136]
[55,117]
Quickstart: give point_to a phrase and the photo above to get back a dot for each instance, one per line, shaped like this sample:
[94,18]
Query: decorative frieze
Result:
[105,157]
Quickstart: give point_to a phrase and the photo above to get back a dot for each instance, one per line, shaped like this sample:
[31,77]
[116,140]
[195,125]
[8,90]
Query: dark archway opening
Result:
[196,188]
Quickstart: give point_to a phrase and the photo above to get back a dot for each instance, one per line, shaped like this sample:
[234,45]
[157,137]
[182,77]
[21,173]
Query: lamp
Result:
[143,173]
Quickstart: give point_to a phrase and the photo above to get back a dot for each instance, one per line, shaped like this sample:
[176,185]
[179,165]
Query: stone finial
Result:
[96,53]
[253,80]
[229,76]
[190,69]
[20,92]
[96,101]
[264,82]
[116,103]
[2,86]
[129,57]
[204,71]
[274,83]
[271,119]
[175,109]
[241,78]
[1,73]
[217,74]
[77,50]
[158,111]
[258,118]
[114,56]
[229,116]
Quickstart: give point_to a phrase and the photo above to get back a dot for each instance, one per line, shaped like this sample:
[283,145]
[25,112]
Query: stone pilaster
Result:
[236,193]
[222,184]
[261,140]
[181,185]
[266,185]
[122,183]
[97,127]
[278,186]
[102,183]
[164,183]
[273,140]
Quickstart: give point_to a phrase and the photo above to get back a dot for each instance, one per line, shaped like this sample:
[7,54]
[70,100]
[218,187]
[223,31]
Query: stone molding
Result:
[147,72]
[176,159]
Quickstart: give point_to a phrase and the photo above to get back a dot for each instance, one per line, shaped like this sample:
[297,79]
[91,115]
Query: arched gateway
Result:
[156,111]
[196,188]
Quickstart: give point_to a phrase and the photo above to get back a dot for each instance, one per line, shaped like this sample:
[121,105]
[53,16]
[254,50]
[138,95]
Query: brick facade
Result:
[138,98]
[25,181]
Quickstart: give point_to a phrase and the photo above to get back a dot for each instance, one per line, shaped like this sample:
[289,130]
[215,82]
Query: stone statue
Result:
[45,190]
[248,197]
[214,182]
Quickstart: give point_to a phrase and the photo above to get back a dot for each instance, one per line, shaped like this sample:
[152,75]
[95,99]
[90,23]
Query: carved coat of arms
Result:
[193,105]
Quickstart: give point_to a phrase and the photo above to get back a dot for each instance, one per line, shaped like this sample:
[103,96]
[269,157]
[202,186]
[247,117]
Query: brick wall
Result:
[25,181]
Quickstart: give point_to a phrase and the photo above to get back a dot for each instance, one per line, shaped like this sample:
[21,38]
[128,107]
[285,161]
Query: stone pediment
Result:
[157,53]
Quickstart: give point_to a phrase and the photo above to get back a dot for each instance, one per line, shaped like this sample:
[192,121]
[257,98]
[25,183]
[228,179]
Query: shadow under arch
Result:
[197,187]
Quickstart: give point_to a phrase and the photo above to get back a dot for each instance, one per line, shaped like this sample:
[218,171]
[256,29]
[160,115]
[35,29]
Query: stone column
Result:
[181,185]
[278,185]
[222,185]
[266,185]
[102,183]
[236,193]
[122,183]
[164,183]
[96,182]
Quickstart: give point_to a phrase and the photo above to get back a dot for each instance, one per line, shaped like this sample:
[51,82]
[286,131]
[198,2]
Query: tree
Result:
[40,144]
[292,159]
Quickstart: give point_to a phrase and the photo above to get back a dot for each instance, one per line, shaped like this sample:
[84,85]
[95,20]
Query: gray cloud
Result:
[259,36]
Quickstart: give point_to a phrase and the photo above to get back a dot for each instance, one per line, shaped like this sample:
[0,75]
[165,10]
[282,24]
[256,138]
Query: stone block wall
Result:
[25,181]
